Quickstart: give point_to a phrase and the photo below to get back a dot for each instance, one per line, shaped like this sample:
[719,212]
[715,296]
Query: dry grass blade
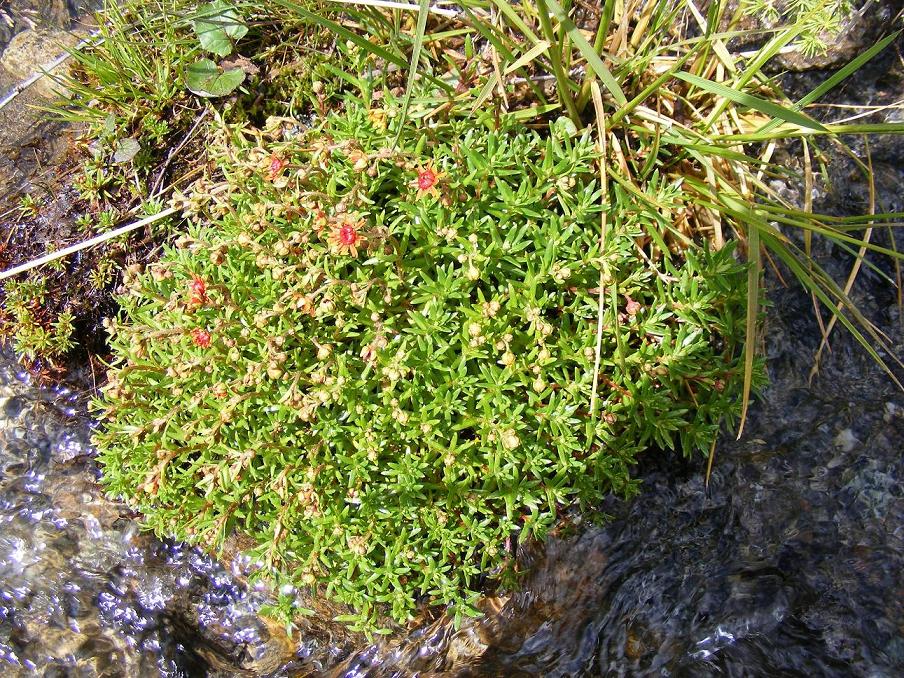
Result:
[72,249]
[808,235]
[709,462]
[601,131]
[528,56]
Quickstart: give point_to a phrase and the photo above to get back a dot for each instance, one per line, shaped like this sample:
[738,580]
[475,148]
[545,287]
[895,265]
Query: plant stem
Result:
[556,59]
[598,42]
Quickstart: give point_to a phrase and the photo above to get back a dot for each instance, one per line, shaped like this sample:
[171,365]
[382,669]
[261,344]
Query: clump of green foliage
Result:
[143,85]
[814,20]
[34,330]
[378,361]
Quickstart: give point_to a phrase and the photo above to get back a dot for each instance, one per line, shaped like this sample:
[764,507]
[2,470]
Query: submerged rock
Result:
[31,50]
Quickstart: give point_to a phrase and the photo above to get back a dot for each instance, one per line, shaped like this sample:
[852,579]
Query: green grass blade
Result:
[340,30]
[812,283]
[555,56]
[827,130]
[839,76]
[654,86]
[754,68]
[767,107]
[515,19]
[422,14]
[754,264]
[593,59]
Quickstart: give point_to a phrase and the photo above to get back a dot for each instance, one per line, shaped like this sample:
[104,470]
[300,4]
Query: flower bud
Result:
[510,439]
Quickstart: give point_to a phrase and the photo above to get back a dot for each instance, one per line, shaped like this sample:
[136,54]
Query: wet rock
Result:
[42,12]
[32,49]
[7,28]
[859,31]
[865,25]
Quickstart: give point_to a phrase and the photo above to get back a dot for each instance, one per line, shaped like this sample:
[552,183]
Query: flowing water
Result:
[789,563]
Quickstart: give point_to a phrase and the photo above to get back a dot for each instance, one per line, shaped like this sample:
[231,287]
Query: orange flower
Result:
[346,237]
[427,181]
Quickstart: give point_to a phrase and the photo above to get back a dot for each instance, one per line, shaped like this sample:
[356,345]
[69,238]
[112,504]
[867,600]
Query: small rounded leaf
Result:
[217,25]
[126,149]
[206,79]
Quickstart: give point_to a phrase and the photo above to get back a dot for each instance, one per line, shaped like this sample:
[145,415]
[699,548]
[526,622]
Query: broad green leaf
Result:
[206,79]
[217,25]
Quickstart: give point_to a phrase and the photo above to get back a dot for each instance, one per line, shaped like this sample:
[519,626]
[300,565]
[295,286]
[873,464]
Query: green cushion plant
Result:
[377,361]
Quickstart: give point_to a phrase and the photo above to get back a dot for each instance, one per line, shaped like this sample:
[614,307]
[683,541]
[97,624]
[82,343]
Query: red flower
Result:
[346,238]
[198,289]
[277,165]
[200,337]
[348,235]
[427,181]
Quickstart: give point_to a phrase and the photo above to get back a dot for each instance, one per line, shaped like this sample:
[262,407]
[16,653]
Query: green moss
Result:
[378,363]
